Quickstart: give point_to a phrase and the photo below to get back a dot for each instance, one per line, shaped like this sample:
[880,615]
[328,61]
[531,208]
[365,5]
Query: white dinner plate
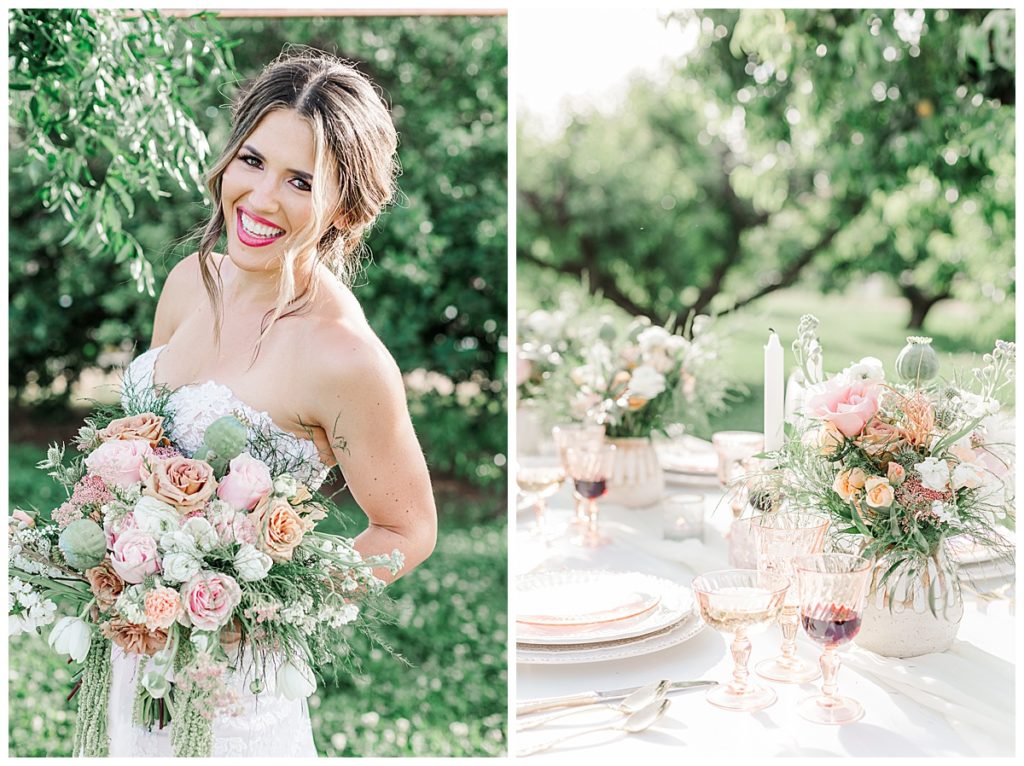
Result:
[576,654]
[594,606]
[965,551]
[688,455]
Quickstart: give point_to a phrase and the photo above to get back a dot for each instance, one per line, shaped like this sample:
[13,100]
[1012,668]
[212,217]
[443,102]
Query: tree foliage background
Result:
[113,121]
[813,146]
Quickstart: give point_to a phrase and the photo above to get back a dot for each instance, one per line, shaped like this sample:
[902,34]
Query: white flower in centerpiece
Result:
[968,475]
[155,517]
[868,368]
[945,513]
[975,406]
[252,564]
[653,339]
[71,636]
[646,383]
[934,473]
[295,682]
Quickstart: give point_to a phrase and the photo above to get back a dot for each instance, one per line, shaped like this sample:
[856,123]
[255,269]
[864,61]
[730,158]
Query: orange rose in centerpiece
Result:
[179,481]
[145,427]
[279,528]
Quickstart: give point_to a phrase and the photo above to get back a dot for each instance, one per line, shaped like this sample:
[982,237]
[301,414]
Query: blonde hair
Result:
[354,147]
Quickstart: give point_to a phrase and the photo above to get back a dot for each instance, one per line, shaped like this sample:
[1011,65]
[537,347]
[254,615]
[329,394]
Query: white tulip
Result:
[295,682]
[71,636]
[252,564]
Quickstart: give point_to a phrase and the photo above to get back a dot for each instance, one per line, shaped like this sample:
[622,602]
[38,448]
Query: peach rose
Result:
[878,492]
[179,481]
[210,599]
[134,639]
[120,462]
[147,427]
[279,527]
[849,483]
[248,481]
[896,473]
[162,607]
[880,439]
[106,585]
[830,440]
[849,406]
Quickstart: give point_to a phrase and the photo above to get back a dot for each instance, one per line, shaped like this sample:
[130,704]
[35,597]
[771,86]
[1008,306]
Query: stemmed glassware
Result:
[583,435]
[740,602]
[539,482]
[780,538]
[833,588]
[589,468]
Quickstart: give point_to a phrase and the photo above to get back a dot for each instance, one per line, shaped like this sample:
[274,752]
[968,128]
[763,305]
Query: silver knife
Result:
[591,698]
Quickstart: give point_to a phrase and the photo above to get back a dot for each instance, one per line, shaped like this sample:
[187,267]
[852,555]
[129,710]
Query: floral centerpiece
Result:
[904,467]
[192,562]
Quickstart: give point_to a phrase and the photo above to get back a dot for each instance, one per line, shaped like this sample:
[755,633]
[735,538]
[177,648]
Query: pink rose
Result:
[896,473]
[179,481]
[162,607]
[134,556]
[114,529]
[120,462]
[210,599]
[248,481]
[849,406]
[234,526]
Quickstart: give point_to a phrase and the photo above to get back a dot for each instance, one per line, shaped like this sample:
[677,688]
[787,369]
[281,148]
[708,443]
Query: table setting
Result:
[840,583]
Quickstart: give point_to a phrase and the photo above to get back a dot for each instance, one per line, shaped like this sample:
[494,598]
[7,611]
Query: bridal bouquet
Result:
[903,466]
[194,562]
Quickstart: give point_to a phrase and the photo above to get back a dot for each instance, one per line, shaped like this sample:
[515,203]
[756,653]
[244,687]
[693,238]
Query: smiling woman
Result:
[268,329]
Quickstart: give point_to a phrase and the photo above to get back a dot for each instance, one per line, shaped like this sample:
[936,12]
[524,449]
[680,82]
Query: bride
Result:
[269,329]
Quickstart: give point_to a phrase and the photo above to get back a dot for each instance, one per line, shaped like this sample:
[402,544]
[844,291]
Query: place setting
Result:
[842,521]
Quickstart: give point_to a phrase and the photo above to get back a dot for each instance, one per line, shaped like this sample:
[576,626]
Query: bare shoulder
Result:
[354,365]
[182,288]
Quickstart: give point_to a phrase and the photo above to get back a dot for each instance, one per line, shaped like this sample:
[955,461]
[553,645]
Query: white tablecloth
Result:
[957,703]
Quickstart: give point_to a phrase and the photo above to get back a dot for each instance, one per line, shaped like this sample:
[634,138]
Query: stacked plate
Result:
[688,460]
[984,568]
[596,615]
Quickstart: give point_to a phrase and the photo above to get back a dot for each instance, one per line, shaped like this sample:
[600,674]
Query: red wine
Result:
[591,490]
[831,625]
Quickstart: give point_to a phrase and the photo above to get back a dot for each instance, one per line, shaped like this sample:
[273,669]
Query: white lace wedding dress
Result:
[270,725]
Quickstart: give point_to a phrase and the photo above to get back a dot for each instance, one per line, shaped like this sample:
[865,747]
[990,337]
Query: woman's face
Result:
[266,190]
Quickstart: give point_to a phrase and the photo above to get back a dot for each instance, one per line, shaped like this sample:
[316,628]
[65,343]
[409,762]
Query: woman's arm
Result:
[362,408]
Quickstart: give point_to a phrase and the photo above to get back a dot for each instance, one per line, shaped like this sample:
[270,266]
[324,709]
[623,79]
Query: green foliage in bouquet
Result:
[903,468]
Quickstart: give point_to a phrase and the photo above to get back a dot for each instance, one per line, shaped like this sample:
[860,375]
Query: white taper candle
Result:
[774,393]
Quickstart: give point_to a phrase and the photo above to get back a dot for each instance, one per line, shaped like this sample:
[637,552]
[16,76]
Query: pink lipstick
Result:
[254,231]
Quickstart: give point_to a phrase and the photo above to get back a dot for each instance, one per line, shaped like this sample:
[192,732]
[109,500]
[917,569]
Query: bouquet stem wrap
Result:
[91,737]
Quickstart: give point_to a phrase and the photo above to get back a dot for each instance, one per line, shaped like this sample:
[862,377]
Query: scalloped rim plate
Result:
[682,631]
[654,604]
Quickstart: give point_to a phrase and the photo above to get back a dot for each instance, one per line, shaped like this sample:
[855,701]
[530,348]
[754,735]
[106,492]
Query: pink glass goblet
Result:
[740,602]
[780,538]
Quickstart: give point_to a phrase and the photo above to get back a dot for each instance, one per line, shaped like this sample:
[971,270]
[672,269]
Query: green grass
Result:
[852,326]
[451,626]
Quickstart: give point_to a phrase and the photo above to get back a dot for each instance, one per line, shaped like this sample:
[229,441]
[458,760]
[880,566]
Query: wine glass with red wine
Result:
[590,467]
[833,588]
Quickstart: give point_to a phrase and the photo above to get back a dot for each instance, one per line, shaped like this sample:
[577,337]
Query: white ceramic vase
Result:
[913,614]
[637,479]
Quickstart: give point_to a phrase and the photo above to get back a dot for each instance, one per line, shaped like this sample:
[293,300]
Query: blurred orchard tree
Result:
[113,120]
[789,145]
